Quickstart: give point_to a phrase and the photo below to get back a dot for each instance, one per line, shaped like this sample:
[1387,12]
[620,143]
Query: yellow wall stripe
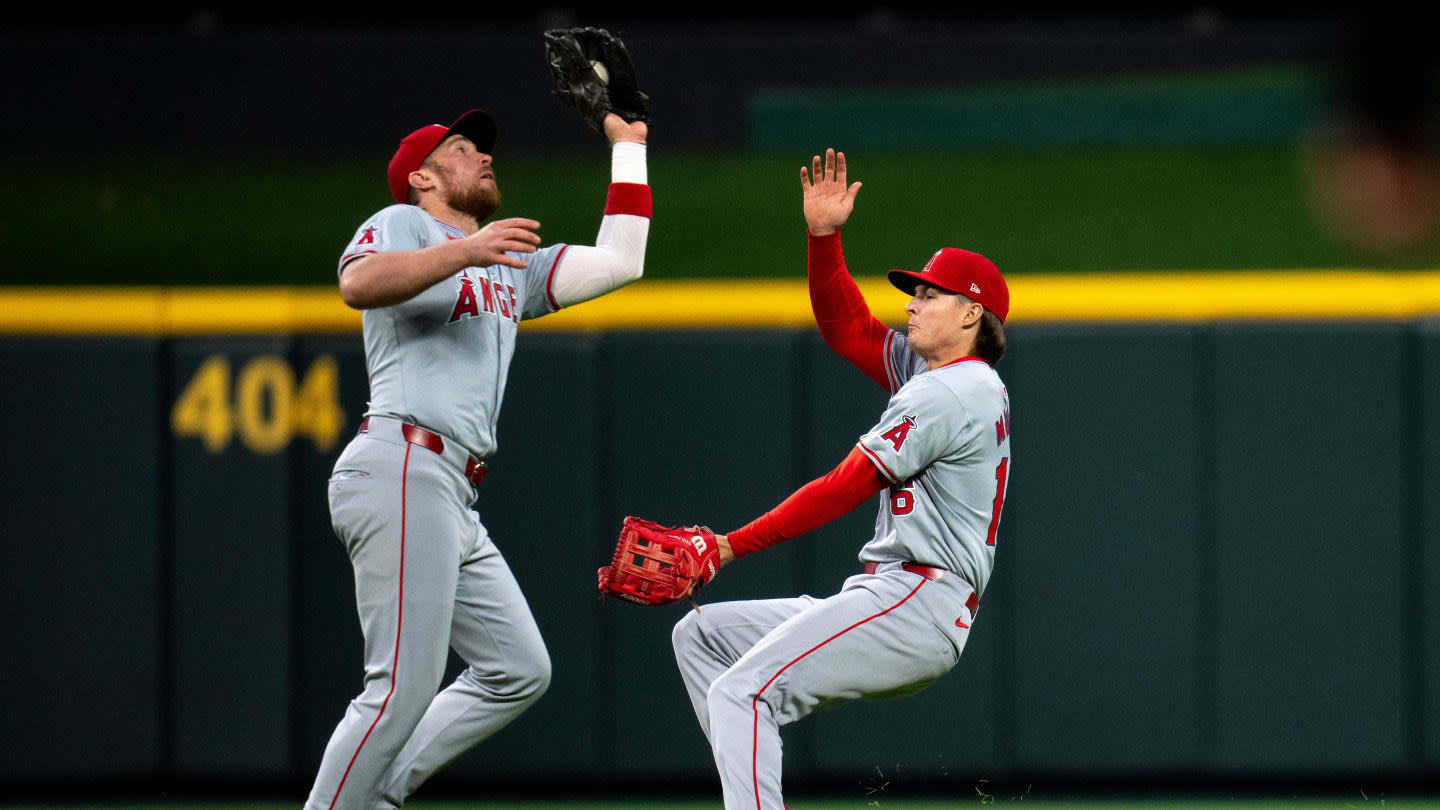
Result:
[656,304]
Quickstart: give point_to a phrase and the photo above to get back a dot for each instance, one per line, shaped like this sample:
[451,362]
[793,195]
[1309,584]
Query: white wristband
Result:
[627,163]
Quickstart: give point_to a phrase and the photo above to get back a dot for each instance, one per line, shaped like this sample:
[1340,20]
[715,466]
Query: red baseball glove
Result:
[658,565]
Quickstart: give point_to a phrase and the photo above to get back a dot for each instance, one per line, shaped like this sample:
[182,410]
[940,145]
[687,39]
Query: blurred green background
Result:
[1194,171]
[256,219]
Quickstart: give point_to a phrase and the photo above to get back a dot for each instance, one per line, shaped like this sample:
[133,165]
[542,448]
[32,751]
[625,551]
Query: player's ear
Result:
[972,312]
[422,180]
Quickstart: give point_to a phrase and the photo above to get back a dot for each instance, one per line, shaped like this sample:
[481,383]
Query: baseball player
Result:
[442,299]
[940,458]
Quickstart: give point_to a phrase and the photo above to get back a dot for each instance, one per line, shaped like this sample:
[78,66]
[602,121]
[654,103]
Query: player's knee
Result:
[412,696]
[732,688]
[532,676]
[412,685]
[685,632]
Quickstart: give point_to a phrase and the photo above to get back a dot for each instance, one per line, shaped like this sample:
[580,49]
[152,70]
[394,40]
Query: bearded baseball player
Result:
[442,298]
[940,457]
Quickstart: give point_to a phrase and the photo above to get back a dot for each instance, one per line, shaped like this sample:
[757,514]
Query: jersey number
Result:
[999,502]
[902,501]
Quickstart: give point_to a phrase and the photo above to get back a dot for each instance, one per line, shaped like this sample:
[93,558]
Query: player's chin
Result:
[481,201]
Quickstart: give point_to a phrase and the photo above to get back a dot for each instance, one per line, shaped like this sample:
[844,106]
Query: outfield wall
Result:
[1217,556]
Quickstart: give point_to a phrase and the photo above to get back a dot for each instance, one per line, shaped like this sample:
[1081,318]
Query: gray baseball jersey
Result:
[441,359]
[944,444]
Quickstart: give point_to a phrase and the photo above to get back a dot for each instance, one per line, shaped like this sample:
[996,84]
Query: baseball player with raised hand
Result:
[939,456]
[442,298]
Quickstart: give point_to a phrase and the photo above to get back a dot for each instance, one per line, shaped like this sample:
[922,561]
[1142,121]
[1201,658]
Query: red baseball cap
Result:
[960,271]
[477,125]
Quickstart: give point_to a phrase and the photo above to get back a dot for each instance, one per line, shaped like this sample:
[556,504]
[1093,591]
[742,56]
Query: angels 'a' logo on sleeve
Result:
[897,435]
[367,235]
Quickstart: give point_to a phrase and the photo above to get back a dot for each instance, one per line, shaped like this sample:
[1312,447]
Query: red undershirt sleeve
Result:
[841,312]
[813,505]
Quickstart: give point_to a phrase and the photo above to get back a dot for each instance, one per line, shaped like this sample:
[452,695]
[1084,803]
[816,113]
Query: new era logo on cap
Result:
[975,288]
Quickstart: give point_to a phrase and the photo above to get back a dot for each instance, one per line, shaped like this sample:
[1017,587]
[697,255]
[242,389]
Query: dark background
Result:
[1218,563]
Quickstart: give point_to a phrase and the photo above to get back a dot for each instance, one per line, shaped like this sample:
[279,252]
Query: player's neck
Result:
[450,216]
[949,354]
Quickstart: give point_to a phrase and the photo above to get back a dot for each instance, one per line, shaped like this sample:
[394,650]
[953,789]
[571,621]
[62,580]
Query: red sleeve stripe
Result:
[885,359]
[550,280]
[347,257]
[880,465]
[628,198]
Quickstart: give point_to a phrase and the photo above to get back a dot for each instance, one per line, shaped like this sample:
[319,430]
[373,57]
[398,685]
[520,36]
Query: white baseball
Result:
[600,71]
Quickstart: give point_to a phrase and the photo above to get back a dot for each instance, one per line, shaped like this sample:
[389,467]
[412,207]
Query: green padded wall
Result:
[230,570]
[83,548]
[1216,559]
[1103,558]
[1310,608]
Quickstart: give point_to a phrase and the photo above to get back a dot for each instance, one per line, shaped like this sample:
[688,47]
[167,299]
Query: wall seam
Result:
[1207,569]
[1412,474]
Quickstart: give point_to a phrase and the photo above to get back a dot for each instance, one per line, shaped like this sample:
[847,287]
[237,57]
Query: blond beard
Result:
[477,200]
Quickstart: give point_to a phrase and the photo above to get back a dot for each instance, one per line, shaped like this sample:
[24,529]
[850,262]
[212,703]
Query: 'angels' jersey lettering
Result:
[944,444]
[441,359]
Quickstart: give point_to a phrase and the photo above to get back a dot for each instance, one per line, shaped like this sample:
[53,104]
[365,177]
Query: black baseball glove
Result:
[593,73]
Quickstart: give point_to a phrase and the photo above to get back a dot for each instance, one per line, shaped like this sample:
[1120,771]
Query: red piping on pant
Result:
[755,702]
[399,617]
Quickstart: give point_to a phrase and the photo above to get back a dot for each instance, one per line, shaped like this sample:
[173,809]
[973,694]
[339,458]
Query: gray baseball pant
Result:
[427,577]
[753,666]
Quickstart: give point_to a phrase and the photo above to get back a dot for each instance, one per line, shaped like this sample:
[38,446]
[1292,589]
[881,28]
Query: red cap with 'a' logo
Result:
[477,125]
[960,271]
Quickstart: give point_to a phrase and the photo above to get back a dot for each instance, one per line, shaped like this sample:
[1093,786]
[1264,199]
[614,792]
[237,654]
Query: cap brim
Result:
[905,281]
[478,126]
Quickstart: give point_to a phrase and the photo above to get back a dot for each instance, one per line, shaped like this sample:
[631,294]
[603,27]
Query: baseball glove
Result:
[593,73]
[658,565]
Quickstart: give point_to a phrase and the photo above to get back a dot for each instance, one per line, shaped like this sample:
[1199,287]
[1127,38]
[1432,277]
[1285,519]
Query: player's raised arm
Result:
[840,310]
[618,255]
[593,73]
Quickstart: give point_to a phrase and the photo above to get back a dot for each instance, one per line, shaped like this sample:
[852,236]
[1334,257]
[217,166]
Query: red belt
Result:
[475,469]
[972,602]
[914,568]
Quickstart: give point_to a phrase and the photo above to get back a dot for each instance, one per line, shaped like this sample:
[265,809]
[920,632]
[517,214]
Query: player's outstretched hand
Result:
[618,130]
[828,201]
[488,245]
